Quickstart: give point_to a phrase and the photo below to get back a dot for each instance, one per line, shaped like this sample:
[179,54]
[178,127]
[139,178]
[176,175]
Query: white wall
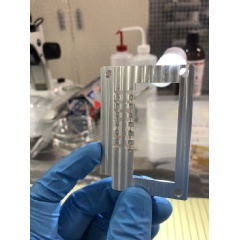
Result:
[85,51]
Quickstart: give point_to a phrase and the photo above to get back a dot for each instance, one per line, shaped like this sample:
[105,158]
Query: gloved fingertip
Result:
[96,144]
[132,215]
[162,210]
[154,231]
[94,150]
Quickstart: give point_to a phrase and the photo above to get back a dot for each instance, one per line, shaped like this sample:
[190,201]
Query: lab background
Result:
[85,31]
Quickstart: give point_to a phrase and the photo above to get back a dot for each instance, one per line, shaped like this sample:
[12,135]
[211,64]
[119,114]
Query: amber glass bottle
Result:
[195,56]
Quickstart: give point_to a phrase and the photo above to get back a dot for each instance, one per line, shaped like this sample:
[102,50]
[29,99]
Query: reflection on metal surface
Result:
[117,126]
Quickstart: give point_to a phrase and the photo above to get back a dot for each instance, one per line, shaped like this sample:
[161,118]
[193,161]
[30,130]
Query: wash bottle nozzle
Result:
[143,48]
[121,47]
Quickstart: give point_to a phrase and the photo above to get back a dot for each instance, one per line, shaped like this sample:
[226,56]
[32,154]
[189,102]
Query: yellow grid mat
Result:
[189,221]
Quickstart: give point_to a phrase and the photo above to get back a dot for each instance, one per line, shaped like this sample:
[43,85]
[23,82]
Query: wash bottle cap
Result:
[143,48]
[121,47]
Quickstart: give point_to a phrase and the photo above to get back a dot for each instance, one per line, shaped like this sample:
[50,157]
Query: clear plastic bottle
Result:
[143,56]
[122,57]
[196,57]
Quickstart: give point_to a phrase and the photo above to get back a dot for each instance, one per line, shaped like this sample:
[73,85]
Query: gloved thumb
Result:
[132,216]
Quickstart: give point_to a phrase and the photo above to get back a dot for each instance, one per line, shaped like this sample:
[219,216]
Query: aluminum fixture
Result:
[117,126]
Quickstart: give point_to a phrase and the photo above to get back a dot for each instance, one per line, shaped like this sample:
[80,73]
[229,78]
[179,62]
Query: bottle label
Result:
[198,76]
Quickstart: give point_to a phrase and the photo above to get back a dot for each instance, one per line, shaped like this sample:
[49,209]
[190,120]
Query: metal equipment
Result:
[118,85]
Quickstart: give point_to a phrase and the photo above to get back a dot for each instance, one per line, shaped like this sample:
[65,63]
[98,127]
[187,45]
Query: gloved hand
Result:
[95,211]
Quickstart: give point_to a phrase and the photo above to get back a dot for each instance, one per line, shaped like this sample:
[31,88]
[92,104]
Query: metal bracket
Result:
[117,126]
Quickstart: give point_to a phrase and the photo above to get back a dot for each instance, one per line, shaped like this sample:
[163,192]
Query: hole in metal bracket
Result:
[177,192]
[108,74]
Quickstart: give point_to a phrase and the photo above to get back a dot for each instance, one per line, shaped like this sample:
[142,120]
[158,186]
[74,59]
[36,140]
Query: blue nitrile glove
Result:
[94,212]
